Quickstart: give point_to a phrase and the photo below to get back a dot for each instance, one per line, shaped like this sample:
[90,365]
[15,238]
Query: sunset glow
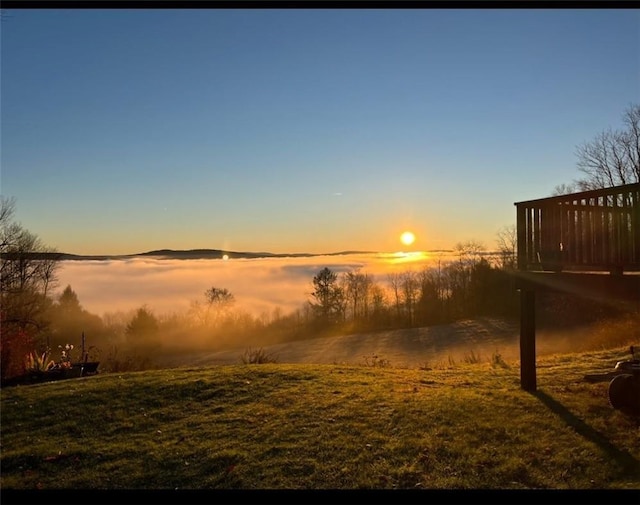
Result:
[407,238]
[408,257]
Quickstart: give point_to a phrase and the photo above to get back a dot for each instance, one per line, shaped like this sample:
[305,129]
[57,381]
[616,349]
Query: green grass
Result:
[283,426]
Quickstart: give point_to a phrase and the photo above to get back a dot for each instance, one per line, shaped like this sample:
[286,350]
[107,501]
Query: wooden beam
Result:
[528,340]
[571,197]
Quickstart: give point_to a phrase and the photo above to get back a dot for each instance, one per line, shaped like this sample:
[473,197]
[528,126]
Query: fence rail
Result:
[595,230]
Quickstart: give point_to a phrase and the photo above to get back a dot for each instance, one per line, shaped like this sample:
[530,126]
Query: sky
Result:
[300,130]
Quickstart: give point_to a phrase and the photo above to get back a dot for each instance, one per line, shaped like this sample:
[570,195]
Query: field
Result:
[440,425]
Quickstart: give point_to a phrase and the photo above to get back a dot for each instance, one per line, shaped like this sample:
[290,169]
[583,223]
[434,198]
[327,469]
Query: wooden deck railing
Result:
[595,230]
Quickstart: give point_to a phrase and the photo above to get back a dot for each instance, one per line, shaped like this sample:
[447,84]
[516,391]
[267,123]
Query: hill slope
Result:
[405,348]
[478,339]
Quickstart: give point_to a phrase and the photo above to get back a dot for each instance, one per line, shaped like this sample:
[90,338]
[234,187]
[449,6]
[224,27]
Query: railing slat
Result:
[596,229]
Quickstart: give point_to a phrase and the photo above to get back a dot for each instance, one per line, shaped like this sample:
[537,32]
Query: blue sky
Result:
[289,130]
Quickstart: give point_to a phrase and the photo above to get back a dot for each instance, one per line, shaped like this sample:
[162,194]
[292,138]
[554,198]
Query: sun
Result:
[407,238]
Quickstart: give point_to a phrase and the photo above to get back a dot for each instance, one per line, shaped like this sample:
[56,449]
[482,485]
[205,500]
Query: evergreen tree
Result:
[329,297]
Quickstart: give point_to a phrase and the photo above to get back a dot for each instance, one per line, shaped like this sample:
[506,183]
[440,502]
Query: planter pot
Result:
[62,373]
[37,377]
[53,375]
[87,368]
[72,373]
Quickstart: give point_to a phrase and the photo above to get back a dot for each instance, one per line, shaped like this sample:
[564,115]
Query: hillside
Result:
[472,339]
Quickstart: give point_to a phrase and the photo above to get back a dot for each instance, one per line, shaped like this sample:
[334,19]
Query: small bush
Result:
[472,358]
[376,361]
[257,356]
[498,361]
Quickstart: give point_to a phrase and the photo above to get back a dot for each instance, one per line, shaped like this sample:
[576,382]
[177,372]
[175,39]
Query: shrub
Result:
[257,356]
[376,361]
[472,358]
[498,361]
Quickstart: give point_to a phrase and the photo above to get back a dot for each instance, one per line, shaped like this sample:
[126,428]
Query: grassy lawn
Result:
[323,427]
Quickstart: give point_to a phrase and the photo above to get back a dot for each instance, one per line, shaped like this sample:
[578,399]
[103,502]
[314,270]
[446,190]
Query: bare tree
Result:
[395,281]
[405,290]
[612,158]
[410,285]
[469,252]
[27,271]
[378,303]
[357,286]
[218,302]
[7,209]
[507,241]
[565,189]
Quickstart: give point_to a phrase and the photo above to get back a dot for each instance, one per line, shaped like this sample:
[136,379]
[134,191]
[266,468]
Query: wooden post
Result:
[521,237]
[635,225]
[527,339]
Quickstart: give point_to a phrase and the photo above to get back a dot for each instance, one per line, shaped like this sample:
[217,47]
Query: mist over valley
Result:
[167,282]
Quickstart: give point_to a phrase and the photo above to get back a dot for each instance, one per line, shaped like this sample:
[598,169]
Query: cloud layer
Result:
[259,285]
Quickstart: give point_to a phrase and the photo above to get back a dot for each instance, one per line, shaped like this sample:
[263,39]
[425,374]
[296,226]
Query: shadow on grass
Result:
[624,458]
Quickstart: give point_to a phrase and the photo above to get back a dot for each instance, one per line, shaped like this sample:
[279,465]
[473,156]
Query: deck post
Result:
[595,232]
[527,339]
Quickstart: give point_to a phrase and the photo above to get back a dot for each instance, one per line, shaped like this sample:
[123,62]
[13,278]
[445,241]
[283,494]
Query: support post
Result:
[527,340]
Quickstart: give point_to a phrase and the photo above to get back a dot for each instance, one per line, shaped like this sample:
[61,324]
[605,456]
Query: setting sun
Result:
[407,238]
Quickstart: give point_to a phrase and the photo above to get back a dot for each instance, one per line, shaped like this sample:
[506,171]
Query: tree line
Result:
[472,285]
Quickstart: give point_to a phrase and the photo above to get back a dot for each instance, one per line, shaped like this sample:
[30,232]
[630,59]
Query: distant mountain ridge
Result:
[179,254]
[218,254]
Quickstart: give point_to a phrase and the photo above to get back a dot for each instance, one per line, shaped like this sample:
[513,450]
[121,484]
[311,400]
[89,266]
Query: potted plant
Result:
[89,368]
[65,369]
[38,366]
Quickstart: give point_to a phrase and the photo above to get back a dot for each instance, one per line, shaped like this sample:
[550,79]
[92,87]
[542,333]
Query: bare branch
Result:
[612,158]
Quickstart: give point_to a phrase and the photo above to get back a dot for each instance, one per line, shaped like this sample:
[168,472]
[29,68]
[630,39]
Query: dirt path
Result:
[399,348]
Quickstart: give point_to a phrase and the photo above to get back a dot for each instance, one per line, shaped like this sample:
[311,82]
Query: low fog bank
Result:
[482,340]
[259,285]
